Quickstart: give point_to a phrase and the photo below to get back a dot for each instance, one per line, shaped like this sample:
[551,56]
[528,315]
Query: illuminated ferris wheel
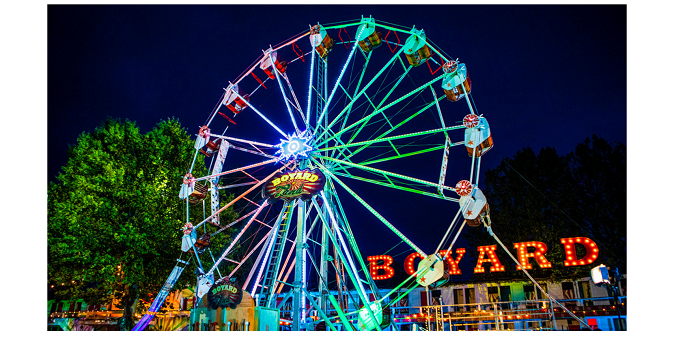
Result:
[316,120]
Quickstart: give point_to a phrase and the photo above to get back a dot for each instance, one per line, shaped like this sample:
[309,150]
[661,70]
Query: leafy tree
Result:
[114,215]
[547,197]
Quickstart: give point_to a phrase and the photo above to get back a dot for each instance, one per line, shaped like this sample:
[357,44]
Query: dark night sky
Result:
[542,75]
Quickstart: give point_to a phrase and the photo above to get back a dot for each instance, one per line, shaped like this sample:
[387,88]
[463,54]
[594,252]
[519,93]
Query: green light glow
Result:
[374,212]
[387,173]
[386,139]
[422,87]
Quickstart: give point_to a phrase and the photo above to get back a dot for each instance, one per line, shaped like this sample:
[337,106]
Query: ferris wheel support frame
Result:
[333,156]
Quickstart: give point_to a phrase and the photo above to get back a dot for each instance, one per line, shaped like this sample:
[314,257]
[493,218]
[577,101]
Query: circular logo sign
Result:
[290,185]
[224,293]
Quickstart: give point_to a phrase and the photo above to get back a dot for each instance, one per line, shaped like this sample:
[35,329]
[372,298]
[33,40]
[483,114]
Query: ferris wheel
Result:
[321,118]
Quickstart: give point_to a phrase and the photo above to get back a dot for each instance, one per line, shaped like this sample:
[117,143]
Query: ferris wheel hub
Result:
[296,146]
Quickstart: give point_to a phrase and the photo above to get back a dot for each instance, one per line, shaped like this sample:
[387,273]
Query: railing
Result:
[507,315]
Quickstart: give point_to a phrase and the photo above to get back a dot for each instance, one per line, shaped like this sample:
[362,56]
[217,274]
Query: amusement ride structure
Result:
[333,109]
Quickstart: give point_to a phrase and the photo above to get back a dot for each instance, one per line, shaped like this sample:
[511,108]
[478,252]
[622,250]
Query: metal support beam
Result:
[298,298]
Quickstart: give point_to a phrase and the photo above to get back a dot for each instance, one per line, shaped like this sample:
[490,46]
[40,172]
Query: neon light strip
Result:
[283,269]
[257,261]
[374,212]
[263,117]
[235,170]
[346,322]
[257,212]
[244,194]
[451,225]
[285,278]
[392,174]
[421,271]
[257,63]
[235,185]
[339,79]
[386,139]
[398,187]
[341,240]
[391,129]
[243,141]
[287,209]
[349,234]
[278,288]
[250,253]
[253,152]
[403,155]
[296,104]
[353,276]
[400,79]
[318,308]
[302,212]
[360,80]
[283,92]
[233,223]
[361,92]
[422,87]
[311,82]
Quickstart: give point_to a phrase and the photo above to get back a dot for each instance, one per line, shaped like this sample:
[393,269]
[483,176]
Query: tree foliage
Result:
[547,197]
[114,215]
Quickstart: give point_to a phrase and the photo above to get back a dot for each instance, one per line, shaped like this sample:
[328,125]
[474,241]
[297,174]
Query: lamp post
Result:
[609,278]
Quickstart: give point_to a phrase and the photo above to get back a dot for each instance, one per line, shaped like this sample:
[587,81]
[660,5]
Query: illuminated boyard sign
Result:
[225,293]
[291,185]
[380,265]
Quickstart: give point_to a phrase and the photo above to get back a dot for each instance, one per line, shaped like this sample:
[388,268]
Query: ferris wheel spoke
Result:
[380,110]
[307,121]
[221,229]
[236,239]
[366,145]
[251,252]
[259,153]
[340,150]
[276,232]
[356,97]
[388,139]
[343,252]
[263,117]
[397,187]
[360,80]
[355,92]
[286,100]
[352,241]
[236,170]
[339,79]
[243,194]
[295,103]
[365,123]
[374,212]
[414,153]
[387,173]
[376,107]
[233,139]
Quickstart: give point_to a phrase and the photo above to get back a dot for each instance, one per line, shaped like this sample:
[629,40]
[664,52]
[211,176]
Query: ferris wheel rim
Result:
[342,151]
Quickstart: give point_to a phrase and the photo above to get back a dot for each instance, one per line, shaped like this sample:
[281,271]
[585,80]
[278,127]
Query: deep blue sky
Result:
[543,75]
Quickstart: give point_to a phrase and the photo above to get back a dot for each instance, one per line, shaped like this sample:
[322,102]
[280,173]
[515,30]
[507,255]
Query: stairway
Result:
[271,272]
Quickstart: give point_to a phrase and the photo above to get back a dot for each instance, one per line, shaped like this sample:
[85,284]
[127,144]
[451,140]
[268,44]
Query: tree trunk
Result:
[129,301]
